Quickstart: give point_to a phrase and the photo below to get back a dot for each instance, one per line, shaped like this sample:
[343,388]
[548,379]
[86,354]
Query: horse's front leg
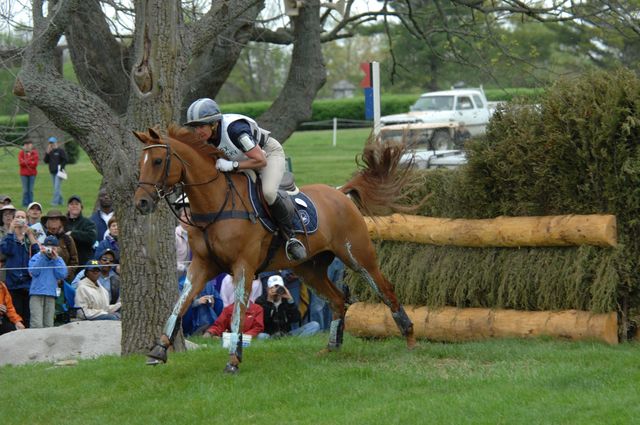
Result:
[192,286]
[242,289]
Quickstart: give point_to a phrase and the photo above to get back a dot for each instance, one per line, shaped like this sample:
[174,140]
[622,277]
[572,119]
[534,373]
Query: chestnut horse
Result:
[222,241]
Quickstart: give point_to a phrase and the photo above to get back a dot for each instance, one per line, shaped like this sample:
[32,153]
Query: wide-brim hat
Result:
[53,214]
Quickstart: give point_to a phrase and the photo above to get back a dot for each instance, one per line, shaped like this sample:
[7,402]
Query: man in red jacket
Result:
[253,321]
[28,161]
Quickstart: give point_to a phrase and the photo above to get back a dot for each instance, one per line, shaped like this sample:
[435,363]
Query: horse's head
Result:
[158,172]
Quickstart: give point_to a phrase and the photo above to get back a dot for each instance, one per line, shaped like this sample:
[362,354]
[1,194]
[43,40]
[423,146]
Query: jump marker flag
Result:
[371,85]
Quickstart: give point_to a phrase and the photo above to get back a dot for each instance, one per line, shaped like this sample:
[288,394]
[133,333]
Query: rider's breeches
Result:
[271,175]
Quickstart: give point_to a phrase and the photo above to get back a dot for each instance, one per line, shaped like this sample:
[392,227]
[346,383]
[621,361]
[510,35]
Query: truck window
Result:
[478,101]
[433,103]
[464,102]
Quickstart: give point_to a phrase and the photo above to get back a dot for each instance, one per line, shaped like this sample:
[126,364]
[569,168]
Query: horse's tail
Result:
[381,185]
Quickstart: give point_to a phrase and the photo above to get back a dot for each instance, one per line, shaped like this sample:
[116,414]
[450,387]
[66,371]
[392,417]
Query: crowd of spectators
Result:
[40,254]
[46,258]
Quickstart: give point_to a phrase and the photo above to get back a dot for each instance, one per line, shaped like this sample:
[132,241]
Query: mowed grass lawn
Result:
[538,381]
[368,382]
[313,159]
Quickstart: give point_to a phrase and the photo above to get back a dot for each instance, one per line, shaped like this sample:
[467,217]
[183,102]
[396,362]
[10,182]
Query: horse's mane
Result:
[188,137]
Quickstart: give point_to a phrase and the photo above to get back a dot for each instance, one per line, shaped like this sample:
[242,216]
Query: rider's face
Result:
[203,132]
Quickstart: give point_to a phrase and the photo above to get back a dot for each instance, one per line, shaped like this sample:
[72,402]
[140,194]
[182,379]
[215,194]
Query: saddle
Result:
[299,205]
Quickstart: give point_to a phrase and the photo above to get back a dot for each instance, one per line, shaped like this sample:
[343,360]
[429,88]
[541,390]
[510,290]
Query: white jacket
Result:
[93,299]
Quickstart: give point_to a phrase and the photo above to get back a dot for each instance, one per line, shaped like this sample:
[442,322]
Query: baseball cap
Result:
[5,198]
[275,280]
[53,139]
[34,204]
[92,264]
[51,241]
[74,198]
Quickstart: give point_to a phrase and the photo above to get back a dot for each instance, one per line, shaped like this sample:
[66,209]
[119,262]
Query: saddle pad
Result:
[306,210]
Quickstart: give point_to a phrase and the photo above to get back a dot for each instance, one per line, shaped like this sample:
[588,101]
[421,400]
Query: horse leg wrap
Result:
[403,321]
[336,331]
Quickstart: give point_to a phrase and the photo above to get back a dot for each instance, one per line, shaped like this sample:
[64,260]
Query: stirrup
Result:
[295,250]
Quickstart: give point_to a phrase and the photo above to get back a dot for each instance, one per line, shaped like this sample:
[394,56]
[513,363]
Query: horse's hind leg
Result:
[242,284]
[314,273]
[192,286]
[362,259]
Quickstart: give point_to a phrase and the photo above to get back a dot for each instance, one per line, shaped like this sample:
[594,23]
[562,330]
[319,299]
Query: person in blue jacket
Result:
[18,246]
[46,268]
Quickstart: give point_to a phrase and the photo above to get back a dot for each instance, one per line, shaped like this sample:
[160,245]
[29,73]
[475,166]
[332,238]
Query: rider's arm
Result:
[240,133]
[256,160]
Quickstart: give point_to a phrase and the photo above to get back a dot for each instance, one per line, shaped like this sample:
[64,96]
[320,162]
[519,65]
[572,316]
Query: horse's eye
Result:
[157,161]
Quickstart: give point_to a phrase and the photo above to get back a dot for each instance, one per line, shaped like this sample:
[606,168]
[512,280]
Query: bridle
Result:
[161,188]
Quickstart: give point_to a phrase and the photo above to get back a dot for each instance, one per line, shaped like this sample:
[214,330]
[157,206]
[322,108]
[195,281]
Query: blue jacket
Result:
[101,226]
[108,243]
[45,280]
[18,254]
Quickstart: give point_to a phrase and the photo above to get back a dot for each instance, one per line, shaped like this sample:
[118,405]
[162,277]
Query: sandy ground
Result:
[75,340]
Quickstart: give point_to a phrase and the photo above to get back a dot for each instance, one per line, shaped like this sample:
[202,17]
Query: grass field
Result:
[368,382]
[538,381]
[313,159]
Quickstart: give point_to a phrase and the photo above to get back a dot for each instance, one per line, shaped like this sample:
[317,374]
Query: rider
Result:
[248,147]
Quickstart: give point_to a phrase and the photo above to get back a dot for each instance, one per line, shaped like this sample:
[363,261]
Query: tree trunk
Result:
[563,230]
[307,75]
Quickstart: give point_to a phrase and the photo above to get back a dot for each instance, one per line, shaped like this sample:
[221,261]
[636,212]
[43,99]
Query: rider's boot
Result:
[294,248]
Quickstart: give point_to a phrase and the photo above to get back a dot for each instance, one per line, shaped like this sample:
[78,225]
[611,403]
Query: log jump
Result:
[562,230]
[471,324]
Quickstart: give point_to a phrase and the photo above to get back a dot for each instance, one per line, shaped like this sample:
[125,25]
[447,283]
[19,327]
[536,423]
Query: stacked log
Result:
[563,230]
[468,324]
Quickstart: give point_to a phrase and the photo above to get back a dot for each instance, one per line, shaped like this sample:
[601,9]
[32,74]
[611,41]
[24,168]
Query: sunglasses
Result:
[106,259]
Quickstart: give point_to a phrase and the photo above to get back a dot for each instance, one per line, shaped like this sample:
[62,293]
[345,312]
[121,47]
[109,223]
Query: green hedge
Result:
[577,152]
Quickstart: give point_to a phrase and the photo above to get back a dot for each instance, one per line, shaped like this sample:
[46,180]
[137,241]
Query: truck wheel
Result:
[441,140]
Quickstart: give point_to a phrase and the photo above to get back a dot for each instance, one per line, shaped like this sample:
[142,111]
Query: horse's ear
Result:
[153,134]
[143,137]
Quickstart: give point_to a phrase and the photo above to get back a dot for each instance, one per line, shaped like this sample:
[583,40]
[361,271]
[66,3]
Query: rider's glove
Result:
[224,165]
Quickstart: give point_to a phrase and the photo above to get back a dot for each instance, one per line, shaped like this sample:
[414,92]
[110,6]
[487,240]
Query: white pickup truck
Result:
[468,106]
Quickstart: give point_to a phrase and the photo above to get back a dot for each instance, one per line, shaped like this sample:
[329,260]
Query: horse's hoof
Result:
[157,355]
[231,369]
[153,362]
[331,348]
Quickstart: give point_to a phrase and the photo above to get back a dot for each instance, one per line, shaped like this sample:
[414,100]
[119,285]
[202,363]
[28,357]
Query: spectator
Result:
[56,157]
[53,223]
[4,200]
[461,136]
[320,309]
[227,290]
[253,321]
[203,311]
[28,161]
[18,246]
[7,213]
[183,252]
[92,298]
[103,214]
[46,268]
[280,312]
[110,240]
[81,229]
[10,320]
[34,215]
